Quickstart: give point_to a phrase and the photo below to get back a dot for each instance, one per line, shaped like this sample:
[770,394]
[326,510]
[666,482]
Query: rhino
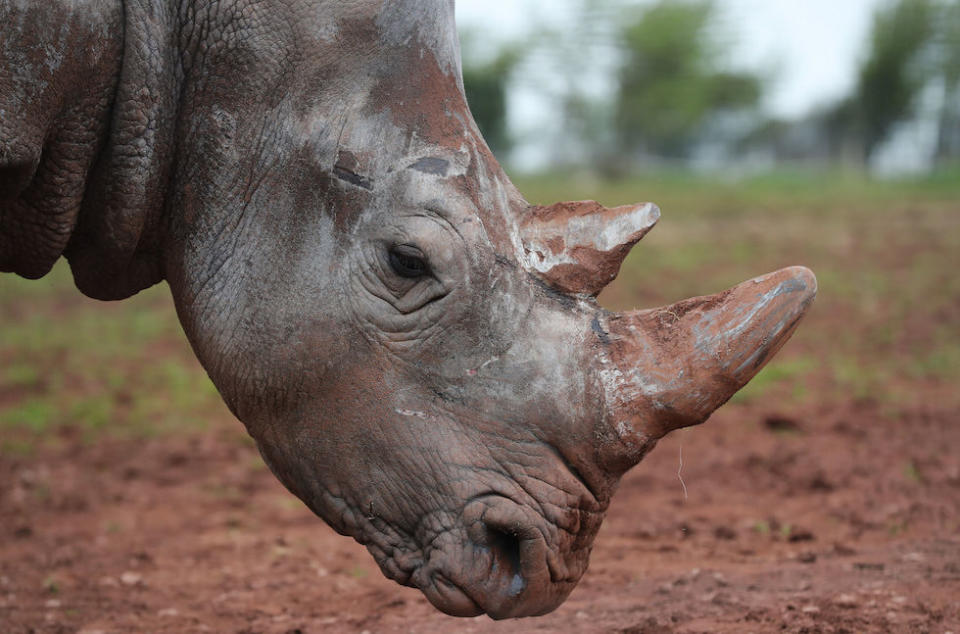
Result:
[417,351]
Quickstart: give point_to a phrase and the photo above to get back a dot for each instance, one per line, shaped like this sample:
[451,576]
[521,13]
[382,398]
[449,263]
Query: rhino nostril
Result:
[513,552]
[506,550]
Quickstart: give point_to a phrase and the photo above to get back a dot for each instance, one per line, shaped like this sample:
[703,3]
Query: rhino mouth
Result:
[448,597]
[501,565]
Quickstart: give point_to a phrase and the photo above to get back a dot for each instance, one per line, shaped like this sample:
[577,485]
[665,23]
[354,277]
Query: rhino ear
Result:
[577,247]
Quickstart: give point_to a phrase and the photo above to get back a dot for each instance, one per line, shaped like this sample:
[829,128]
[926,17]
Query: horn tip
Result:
[652,213]
[806,277]
[798,280]
[635,220]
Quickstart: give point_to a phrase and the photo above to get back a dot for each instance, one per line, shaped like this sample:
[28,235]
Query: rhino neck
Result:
[115,250]
[59,68]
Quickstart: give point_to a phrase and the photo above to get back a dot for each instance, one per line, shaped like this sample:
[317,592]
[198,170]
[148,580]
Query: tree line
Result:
[673,95]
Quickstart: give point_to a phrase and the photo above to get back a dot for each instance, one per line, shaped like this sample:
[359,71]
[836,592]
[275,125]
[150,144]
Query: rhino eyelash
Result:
[408,261]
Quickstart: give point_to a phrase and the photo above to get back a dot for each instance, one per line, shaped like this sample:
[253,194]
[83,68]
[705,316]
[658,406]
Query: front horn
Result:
[671,367]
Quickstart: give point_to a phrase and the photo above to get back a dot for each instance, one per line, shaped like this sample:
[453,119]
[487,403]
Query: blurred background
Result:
[771,133]
[729,86]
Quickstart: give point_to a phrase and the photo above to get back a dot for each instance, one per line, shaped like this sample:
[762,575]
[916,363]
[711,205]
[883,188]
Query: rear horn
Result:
[577,247]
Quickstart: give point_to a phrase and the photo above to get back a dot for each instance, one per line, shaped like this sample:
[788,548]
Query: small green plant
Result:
[21,374]
[17,447]
[777,373]
[51,585]
[943,362]
[911,473]
[36,414]
[93,412]
[859,380]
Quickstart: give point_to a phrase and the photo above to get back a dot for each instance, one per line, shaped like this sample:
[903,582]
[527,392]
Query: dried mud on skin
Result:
[808,525]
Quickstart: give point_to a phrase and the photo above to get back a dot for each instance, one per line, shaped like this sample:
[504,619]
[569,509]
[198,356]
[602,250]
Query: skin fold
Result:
[416,350]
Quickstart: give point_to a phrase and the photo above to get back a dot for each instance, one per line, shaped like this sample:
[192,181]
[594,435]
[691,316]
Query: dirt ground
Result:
[831,508]
[813,522]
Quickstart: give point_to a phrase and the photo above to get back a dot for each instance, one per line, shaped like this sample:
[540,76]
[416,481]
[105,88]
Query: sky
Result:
[815,45]
[810,48]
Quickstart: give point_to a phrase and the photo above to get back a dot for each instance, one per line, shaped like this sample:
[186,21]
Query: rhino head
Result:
[417,351]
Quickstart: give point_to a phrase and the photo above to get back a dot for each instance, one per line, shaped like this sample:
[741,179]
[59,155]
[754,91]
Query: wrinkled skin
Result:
[416,350]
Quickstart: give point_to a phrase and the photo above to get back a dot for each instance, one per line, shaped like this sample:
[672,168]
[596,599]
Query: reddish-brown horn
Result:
[671,367]
[577,247]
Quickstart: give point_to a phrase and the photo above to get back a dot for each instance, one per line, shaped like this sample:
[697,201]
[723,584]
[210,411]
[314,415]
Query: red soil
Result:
[819,520]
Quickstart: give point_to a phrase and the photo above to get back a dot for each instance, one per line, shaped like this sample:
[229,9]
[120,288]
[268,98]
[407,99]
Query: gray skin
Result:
[416,350]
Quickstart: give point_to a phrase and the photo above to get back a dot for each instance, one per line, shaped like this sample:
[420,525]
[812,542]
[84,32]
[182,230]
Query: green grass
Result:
[121,368]
[817,191]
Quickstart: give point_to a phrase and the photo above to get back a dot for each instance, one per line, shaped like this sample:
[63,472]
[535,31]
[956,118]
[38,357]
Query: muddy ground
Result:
[828,501]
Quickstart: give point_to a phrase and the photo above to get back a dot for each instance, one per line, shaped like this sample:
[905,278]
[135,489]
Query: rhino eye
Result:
[408,261]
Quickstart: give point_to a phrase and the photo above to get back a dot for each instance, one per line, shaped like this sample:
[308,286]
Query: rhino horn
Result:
[577,247]
[671,367]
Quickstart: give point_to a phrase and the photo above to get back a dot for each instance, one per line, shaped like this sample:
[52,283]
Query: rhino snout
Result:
[504,565]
